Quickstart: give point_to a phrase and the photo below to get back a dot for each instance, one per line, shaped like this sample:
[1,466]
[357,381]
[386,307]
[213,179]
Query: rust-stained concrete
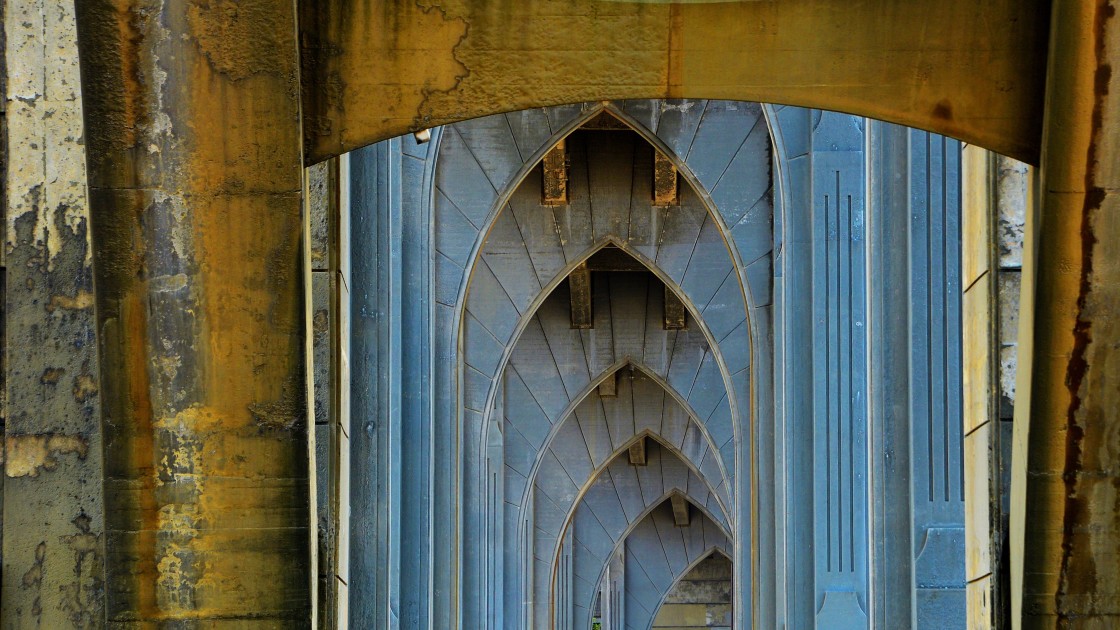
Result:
[971,70]
[28,455]
[53,524]
[192,111]
[1071,555]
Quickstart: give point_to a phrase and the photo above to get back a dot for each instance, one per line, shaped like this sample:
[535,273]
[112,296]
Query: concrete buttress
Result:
[193,132]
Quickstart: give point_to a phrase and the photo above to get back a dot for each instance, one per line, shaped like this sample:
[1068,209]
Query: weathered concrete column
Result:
[1071,556]
[52,521]
[192,111]
[981,426]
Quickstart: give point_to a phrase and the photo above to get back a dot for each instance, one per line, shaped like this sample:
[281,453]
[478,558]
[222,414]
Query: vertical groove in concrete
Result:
[195,160]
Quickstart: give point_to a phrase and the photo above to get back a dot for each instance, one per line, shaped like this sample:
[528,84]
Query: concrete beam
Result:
[609,387]
[193,130]
[665,187]
[681,516]
[637,452]
[554,179]
[579,287]
[966,69]
[675,316]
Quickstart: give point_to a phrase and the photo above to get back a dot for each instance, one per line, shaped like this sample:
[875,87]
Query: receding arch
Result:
[722,514]
[697,317]
[707,554]
[452,312]
[668,389]
[631,524]
[724,545]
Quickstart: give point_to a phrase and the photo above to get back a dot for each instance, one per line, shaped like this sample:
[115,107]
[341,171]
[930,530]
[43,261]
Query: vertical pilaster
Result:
[52,521]
[1067,547]
[330,317]
[376,387]
[418,381]
[794,356]
[915,372]
[193,131]
[888,229]
[937,476]
[839,338]
[979,412]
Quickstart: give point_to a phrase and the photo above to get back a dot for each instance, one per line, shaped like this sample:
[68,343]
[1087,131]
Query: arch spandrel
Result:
[939,66]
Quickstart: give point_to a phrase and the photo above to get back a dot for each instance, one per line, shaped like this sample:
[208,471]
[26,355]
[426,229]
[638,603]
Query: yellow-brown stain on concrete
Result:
[428,63]
[210,500]
[85,388]
[1071,517]
[82,300]
[29,455]
[81,598]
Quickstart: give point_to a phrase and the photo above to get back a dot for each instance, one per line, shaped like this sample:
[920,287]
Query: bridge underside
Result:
[158,277]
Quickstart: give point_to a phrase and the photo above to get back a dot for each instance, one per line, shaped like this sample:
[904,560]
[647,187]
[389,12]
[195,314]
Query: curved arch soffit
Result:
[535,305]
[692,417]
[780,161]
[630,530]
[707,553]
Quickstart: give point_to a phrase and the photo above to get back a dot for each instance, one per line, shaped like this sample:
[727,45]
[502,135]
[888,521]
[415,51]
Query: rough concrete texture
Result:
[192,111]
[440,62]
[1012,190]
[1012,187]
[319,196]
[53,543]
[1071,512]
[1007,305]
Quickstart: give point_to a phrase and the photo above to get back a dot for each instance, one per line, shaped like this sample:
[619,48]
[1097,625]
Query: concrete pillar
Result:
[52,521]
[1069,518]
[193,131]
[981,432]
[996,193]
[329,235]
[377,389]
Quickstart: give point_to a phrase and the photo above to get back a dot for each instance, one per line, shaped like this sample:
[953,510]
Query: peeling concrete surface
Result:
[195,182]
[53,542]
[1070,554]
[28,455]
